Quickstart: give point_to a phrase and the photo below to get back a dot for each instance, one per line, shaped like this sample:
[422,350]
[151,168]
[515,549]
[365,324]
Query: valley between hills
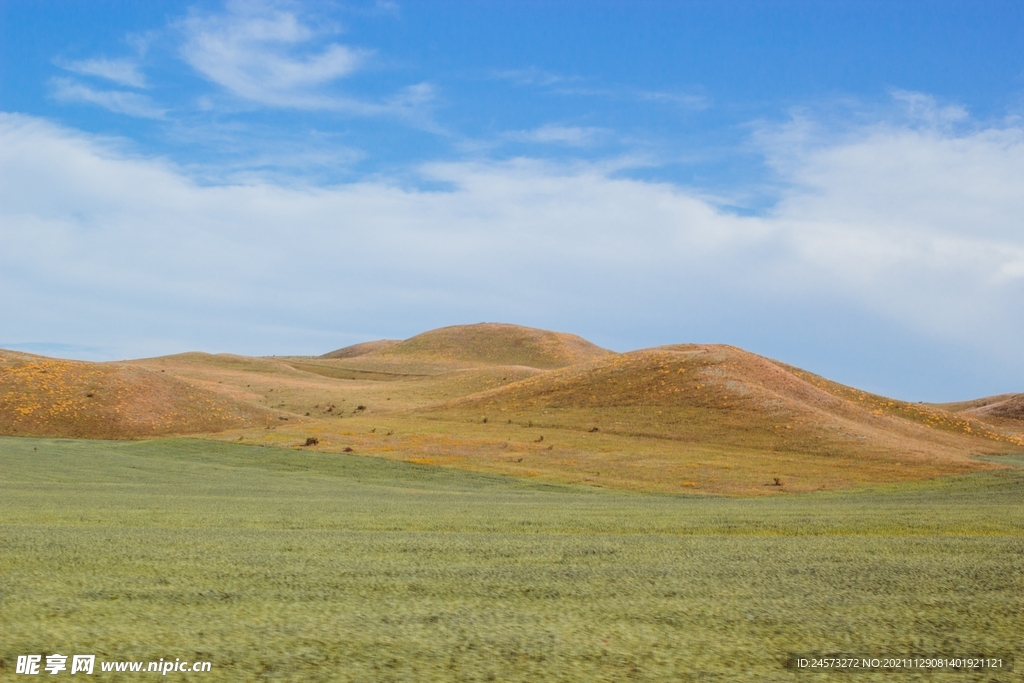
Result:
[503,399]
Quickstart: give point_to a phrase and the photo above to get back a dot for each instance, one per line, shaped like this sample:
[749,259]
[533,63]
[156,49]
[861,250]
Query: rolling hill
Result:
[514,400]
[1003,406]
[42,396]
[361,349]
[485,343]
[721,396]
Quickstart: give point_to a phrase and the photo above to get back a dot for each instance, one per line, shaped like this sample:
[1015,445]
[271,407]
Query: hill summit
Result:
[490,343]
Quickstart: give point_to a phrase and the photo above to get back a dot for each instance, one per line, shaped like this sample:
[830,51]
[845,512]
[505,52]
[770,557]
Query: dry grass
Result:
[50,397]
[1002,407]
[361,349]
[716,418]
[498,344]
[604,460]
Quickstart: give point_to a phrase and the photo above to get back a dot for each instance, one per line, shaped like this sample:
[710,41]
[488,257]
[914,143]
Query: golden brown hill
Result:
[512,400]
[1004,406]
[721,395]
[361,349]
[498,344]
[1004,412]
[42,396]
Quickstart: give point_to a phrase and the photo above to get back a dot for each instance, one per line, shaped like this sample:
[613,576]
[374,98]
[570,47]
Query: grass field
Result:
[286,565]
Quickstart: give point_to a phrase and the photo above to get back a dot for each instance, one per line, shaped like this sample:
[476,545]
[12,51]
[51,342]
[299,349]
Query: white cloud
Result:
[574,136]
[117,101]
[924,107]
[689,101]
[260,53]
[916,221]
[388,6]
[913,228]
[121,71]
[578,86]
[532,76]
[684,100]
[265,54]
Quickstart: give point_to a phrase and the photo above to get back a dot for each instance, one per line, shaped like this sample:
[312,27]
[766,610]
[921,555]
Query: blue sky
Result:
[834,184]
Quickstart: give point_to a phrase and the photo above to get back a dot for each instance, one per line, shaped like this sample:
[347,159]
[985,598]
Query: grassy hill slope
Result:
[498,344]
[1004,412]
[42,396]
[769,416]
[361,349]
[1003,406]
[312,387]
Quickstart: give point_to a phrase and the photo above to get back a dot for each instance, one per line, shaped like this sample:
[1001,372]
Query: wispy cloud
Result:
[692,102]
[121,71]
[925,108]
[262,54]
[117,101]
[569,85]
[532,76]
[573,136]
[387,7]
[684,100]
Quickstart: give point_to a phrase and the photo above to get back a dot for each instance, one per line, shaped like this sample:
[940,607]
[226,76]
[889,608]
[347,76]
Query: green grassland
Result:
[288,565]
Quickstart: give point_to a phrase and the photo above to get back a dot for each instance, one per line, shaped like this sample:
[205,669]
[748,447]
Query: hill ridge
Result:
[485,343]
[685,387]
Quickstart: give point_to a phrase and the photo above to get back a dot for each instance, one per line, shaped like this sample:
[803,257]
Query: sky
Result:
[837,185]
